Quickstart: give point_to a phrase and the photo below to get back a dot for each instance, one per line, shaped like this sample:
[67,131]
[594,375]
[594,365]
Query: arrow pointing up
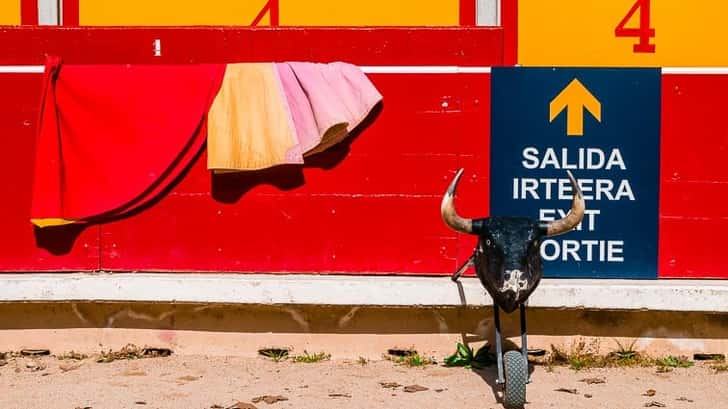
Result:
[574,98]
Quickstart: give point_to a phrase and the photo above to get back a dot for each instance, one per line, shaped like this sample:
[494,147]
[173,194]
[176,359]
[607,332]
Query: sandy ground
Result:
[199,382]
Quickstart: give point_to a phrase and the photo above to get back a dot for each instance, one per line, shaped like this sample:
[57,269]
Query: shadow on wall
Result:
[225,188]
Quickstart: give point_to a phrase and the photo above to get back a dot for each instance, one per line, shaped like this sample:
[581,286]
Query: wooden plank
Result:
[476,46]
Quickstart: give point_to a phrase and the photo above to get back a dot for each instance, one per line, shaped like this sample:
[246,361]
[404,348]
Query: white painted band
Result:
[696,70]
[397,291]
[21,69]
[411,69]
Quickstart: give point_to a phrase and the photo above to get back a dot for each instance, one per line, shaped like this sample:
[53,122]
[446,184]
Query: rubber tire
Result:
[516,374]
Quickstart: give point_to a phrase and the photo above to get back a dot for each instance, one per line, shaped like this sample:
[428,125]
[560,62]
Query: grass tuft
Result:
[408,357]
[585,356]
[312,358]
[414,360]
[580,356]
[672,361]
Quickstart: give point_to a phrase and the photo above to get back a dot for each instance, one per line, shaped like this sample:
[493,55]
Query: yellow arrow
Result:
[574,98]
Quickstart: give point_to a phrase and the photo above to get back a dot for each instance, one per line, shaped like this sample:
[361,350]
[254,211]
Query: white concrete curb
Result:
[396,291]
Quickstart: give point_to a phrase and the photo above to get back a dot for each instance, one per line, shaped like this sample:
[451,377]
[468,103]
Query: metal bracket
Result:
[469,262]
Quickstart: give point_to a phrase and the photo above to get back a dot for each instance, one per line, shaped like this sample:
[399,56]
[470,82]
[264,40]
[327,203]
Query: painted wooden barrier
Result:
[368,206]
[335,215]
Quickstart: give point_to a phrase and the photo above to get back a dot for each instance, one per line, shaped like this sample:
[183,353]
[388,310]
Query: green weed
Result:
[464,356]
[674,362]
[312,358]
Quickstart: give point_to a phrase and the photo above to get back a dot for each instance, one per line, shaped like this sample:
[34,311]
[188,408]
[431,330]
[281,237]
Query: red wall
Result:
[694,174]
[370,205]
[19,249]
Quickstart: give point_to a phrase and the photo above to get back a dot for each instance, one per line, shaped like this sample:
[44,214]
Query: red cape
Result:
[112,137]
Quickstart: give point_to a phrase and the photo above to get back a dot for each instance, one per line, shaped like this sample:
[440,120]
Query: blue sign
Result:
[603,125]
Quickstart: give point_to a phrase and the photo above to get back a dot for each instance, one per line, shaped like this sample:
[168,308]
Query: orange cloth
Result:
[248,124]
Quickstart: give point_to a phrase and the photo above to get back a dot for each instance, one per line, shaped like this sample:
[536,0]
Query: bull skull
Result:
[507,257]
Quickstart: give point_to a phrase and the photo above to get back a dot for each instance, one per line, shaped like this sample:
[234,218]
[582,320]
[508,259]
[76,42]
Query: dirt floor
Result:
[200,382]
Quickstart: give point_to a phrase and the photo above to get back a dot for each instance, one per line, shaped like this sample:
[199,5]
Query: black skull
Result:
[507,257]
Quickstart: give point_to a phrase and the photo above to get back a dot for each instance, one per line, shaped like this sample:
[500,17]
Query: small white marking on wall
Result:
[78,313]
[157,47]
[299,318]
[344,321]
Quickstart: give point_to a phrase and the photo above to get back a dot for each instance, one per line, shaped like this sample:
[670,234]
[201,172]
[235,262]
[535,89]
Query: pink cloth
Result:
[325,101]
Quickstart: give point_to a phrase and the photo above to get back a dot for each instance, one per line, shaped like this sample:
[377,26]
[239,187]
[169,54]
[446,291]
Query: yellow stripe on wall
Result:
[169,12]
[291,12]
[369,12]
[582,33]
[9,12]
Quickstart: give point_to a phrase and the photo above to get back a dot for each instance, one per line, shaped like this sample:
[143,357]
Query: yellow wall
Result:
[369,12]
[9,12]
[581,32]
[169,12]
[292,12]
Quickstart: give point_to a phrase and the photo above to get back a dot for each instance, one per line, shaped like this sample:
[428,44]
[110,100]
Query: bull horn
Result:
[447,209]
[574,216]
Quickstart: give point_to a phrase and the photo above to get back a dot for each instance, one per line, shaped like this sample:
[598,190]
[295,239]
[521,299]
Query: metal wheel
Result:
[516,377]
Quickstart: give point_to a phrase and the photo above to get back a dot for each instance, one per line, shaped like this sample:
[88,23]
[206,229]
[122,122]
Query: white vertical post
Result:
[487,12]
[49,12]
